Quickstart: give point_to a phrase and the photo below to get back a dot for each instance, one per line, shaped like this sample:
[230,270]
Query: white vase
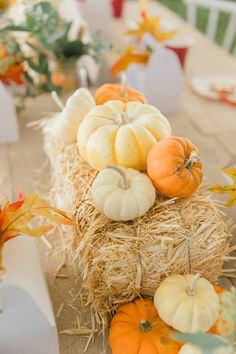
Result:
[161,79]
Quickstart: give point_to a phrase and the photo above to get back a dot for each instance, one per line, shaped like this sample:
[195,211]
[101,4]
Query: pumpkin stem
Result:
[193,158]
[125,182]
[145,326]
[124,86]
[57,100]
[190,290]
[122,119]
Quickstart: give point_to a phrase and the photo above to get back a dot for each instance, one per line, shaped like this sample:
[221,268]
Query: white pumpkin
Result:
[190,349]
[123,194]
[121,134]
[188,303]
[65,124]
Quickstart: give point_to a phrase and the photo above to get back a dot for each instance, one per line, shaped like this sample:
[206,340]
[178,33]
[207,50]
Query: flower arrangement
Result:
[136,52]
[42,57]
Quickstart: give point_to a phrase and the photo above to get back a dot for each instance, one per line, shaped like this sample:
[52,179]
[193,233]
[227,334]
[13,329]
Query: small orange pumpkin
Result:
[174,166]
[110,92]
[137,329]
[214,329]
[222,327]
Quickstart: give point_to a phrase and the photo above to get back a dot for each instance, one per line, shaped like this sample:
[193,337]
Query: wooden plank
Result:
[27,157]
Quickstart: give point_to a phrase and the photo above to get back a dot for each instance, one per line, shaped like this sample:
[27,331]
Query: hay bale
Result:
[119,261]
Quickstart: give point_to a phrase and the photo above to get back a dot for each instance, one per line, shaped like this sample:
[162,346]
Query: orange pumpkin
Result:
[174,167]
[222,327]
[137,329]
[110,92]
[219,291]
[214,329]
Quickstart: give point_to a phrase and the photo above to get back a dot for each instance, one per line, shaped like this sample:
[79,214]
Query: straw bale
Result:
[119,261]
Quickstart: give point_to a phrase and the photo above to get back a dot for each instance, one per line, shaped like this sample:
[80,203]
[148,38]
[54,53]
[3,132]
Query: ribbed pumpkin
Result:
[137,329]
[123,194]
[121,134]
[188,303]
[175,168]
[65,125]
[110,92]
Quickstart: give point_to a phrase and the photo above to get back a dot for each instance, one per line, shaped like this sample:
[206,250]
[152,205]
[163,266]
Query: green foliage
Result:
[43,23]
[11,44]
[74,48]
[48,37]
[206,342]
[98,46]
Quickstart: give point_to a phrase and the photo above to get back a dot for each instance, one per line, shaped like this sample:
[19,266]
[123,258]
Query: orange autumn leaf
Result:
[15,218]
[14,74]
[152,25]
[230,189]
[131,55]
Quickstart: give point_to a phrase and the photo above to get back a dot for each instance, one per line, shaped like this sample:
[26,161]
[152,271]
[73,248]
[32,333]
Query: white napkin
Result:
[27,324]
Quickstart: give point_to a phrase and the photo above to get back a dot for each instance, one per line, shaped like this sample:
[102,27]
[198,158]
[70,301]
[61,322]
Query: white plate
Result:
[202,85]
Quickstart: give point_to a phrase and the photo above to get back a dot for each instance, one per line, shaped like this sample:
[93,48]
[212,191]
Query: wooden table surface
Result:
[210,125]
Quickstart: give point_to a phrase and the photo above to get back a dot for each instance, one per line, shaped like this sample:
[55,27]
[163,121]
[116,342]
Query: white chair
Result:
[215,7]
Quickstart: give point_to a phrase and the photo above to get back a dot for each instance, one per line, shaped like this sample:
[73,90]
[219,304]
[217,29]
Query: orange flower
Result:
[13,74]
[15,218]
[152,25]
[131,55]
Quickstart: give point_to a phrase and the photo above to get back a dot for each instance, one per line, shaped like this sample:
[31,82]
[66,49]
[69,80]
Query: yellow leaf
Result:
[230,189]
[36,232]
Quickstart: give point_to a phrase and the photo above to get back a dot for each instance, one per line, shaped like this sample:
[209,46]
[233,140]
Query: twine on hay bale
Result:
[119,261]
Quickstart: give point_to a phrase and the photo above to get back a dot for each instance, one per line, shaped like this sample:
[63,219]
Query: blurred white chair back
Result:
[215,7]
